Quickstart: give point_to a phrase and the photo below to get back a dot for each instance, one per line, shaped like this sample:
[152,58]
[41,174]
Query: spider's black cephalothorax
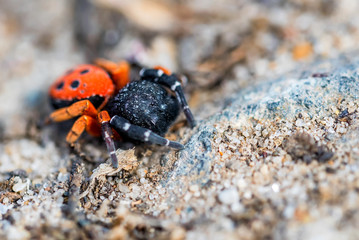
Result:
[143,110]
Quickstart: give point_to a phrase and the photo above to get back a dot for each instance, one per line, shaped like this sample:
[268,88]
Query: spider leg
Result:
[108,136]
[120,72]
[171,81]
[135,132]
[83,123]
[165,70]
[84,107]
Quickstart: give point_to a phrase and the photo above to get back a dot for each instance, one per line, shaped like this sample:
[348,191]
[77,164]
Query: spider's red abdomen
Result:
[86,81]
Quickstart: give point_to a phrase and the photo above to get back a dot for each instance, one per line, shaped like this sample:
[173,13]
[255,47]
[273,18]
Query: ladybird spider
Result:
[110,105]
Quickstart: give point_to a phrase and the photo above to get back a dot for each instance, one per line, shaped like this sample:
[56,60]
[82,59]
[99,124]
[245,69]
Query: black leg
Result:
[108,137]
[135,132]
[170,81]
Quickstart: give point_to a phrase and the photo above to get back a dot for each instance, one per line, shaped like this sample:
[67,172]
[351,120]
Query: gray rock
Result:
[242,147]
[284,98]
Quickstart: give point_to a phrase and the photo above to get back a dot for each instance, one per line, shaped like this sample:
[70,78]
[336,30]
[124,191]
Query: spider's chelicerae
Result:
[108,104]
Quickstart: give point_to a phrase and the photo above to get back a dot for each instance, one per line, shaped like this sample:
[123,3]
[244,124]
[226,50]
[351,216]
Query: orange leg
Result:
[84,107]
[165,70]
[83,123]
[103,116]
[120,72]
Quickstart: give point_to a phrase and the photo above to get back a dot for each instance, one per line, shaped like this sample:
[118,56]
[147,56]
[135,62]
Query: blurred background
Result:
[222,46]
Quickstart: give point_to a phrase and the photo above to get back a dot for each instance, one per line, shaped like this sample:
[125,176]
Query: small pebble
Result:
[229,196]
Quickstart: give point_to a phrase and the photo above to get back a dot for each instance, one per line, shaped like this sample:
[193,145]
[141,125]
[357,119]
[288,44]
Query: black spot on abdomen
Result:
[60,86]
[84,71]
[75,84]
